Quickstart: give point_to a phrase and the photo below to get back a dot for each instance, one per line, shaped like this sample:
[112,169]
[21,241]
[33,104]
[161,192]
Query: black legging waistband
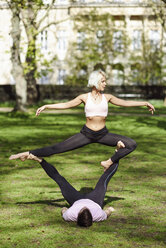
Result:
[94,135]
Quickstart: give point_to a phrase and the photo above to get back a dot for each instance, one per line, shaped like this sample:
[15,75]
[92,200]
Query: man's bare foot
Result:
[106,164]
[22,156]
[120,145]
[33,157]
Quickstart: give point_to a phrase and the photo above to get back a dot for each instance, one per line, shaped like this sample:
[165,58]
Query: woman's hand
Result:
[64,105]
[39,110]
[125,103]
[150,107]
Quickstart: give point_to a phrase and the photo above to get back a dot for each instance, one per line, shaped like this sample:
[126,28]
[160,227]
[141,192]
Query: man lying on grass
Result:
[84,208]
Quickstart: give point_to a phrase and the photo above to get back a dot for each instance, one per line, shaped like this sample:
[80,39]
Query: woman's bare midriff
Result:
[95,123]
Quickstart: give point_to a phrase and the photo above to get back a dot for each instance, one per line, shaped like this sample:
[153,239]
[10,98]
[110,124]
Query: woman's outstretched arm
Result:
[65,105]
[120,102]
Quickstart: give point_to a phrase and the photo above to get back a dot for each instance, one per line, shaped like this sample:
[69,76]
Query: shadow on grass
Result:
[83,190]
[56,203]
[46,202]
[152,122]
[109,199]
[162,124]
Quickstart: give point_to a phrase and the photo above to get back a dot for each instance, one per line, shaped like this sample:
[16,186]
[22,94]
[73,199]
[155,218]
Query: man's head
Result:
[84,218]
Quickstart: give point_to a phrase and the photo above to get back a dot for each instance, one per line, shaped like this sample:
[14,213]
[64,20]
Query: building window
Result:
[62,39]
[61,1]
[99,34]
[135,73]
[118,74]
[82,75]
[155,77]
[137,40]
[61,76]
[81,40]
[99,1]
[154,38]
[44,79]
[118,41]
[119,1]
[46,2]
[99,40]
[82,72]
[154,80]
[44,40]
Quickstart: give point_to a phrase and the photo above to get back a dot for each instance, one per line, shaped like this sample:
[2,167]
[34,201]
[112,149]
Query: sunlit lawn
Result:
[31,202]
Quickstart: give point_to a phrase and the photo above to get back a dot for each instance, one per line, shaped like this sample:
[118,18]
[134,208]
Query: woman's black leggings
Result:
[88,136]
[71,194]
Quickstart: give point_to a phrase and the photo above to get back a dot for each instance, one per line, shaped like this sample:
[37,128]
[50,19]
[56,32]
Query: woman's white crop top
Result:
[93,109]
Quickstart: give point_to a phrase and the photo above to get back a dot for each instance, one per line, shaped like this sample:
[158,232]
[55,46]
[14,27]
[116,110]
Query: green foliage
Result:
[31,202]
[159,9]
[94,45]
[36,57]
[148,66]
[102,41]
[75,80]
[28,3]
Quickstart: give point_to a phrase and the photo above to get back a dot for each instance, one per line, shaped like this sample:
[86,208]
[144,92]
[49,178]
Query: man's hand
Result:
[63,210]
[109,210]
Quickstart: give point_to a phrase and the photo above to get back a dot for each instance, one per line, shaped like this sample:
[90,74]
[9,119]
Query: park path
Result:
[5,109]
[68,111]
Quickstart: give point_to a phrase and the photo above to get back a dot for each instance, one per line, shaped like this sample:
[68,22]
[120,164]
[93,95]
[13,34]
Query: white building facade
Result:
[54,41]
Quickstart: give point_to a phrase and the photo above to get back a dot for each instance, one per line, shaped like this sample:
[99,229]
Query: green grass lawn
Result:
[31,202]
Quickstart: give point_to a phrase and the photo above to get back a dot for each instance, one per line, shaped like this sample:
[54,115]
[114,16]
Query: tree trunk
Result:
[17,70]
[164,97]
[31,72]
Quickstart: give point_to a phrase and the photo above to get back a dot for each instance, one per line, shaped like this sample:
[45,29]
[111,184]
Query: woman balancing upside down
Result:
[94,131]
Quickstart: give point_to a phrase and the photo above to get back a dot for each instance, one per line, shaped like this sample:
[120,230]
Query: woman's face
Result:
[102,84]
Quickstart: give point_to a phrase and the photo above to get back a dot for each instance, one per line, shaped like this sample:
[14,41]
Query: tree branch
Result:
[23,20]
[46,14]
[52,23]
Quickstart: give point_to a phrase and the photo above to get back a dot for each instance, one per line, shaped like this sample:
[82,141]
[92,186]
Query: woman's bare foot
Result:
[106,164]
[22,156]
[120,145]
[25,155]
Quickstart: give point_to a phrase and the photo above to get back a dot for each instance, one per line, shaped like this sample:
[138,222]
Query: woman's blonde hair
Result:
[95,78]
